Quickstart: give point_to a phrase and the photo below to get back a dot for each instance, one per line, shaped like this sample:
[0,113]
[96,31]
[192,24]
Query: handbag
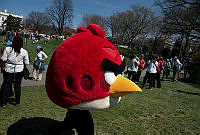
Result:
[26,72]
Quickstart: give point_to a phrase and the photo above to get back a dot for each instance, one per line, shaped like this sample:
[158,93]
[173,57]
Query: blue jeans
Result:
[9,79]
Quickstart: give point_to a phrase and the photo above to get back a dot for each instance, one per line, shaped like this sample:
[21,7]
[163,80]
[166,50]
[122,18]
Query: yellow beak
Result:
[123,86]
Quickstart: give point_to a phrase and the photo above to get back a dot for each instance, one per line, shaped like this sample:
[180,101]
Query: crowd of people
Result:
[13,61]
[33,36]
[158,68]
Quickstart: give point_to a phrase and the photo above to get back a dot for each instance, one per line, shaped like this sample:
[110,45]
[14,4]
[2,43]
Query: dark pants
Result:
[150,77]
[81,120]
[132,75]
[2,85]
[158,80]
[9,79]
[164,74]
[138,75]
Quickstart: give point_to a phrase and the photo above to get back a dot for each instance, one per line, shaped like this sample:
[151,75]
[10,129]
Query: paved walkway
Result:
[37,83]
[30,82]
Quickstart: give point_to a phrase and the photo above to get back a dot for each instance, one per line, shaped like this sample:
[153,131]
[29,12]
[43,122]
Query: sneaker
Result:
[4,106]
[150,89]
[38,79]
[17,105]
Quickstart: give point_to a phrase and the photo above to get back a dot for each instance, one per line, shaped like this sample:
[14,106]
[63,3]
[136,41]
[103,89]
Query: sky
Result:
[81,7]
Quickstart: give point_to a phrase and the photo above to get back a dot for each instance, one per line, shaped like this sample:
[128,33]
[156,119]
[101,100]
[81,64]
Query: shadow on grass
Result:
[190,82]
[186,92]
[33,126]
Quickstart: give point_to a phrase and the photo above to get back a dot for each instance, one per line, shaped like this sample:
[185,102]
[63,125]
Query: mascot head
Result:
[83,72]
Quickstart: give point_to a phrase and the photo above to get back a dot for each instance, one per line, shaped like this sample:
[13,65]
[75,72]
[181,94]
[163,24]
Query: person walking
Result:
[14,57]
[38,64]
[141,66]
[151,72]
[167,66]
[132,68]
[176,68]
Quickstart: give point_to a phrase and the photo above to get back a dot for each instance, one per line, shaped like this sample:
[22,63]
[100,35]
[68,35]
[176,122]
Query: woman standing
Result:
[15,57]
[38,63]
[132,68]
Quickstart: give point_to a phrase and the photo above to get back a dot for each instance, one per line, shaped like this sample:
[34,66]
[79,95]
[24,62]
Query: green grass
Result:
[160,111]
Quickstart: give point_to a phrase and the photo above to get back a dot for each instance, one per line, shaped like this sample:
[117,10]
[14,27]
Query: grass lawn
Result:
[174,109]
[48,48]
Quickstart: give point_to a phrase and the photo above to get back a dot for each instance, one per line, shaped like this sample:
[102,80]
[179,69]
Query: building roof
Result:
[6,13]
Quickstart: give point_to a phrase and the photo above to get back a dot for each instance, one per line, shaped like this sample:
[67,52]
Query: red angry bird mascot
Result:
[83,74]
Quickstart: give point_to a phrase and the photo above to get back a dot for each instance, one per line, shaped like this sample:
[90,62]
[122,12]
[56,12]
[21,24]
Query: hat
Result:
[175,57]
[39,47]
[8,43]
[167,59]
[142,55]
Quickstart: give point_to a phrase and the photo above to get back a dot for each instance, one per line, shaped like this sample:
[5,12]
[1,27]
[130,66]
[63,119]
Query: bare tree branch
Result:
[61,13]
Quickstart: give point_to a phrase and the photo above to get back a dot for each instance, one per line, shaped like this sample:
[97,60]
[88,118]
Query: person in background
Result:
[14,57]
[26,36]
[4,33]
[132,68]
[164,72]
[176,68]
[167,66]
[151,72]
[141,66]
[46,39]
[159,69]
[187,67]
[38,64]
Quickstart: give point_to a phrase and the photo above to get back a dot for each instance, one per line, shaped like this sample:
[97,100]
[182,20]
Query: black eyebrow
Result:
[108,65]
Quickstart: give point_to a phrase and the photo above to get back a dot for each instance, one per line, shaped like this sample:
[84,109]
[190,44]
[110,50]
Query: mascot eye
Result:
[111,52]
[69,82]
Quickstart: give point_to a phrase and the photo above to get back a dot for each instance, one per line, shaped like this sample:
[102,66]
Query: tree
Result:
[181,18]
[37,21]
[166,53]
[129,25]
[61,14]
[157,34]
[13,23]
[94,19]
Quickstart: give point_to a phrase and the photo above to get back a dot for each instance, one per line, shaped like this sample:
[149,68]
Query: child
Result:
[38,63]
